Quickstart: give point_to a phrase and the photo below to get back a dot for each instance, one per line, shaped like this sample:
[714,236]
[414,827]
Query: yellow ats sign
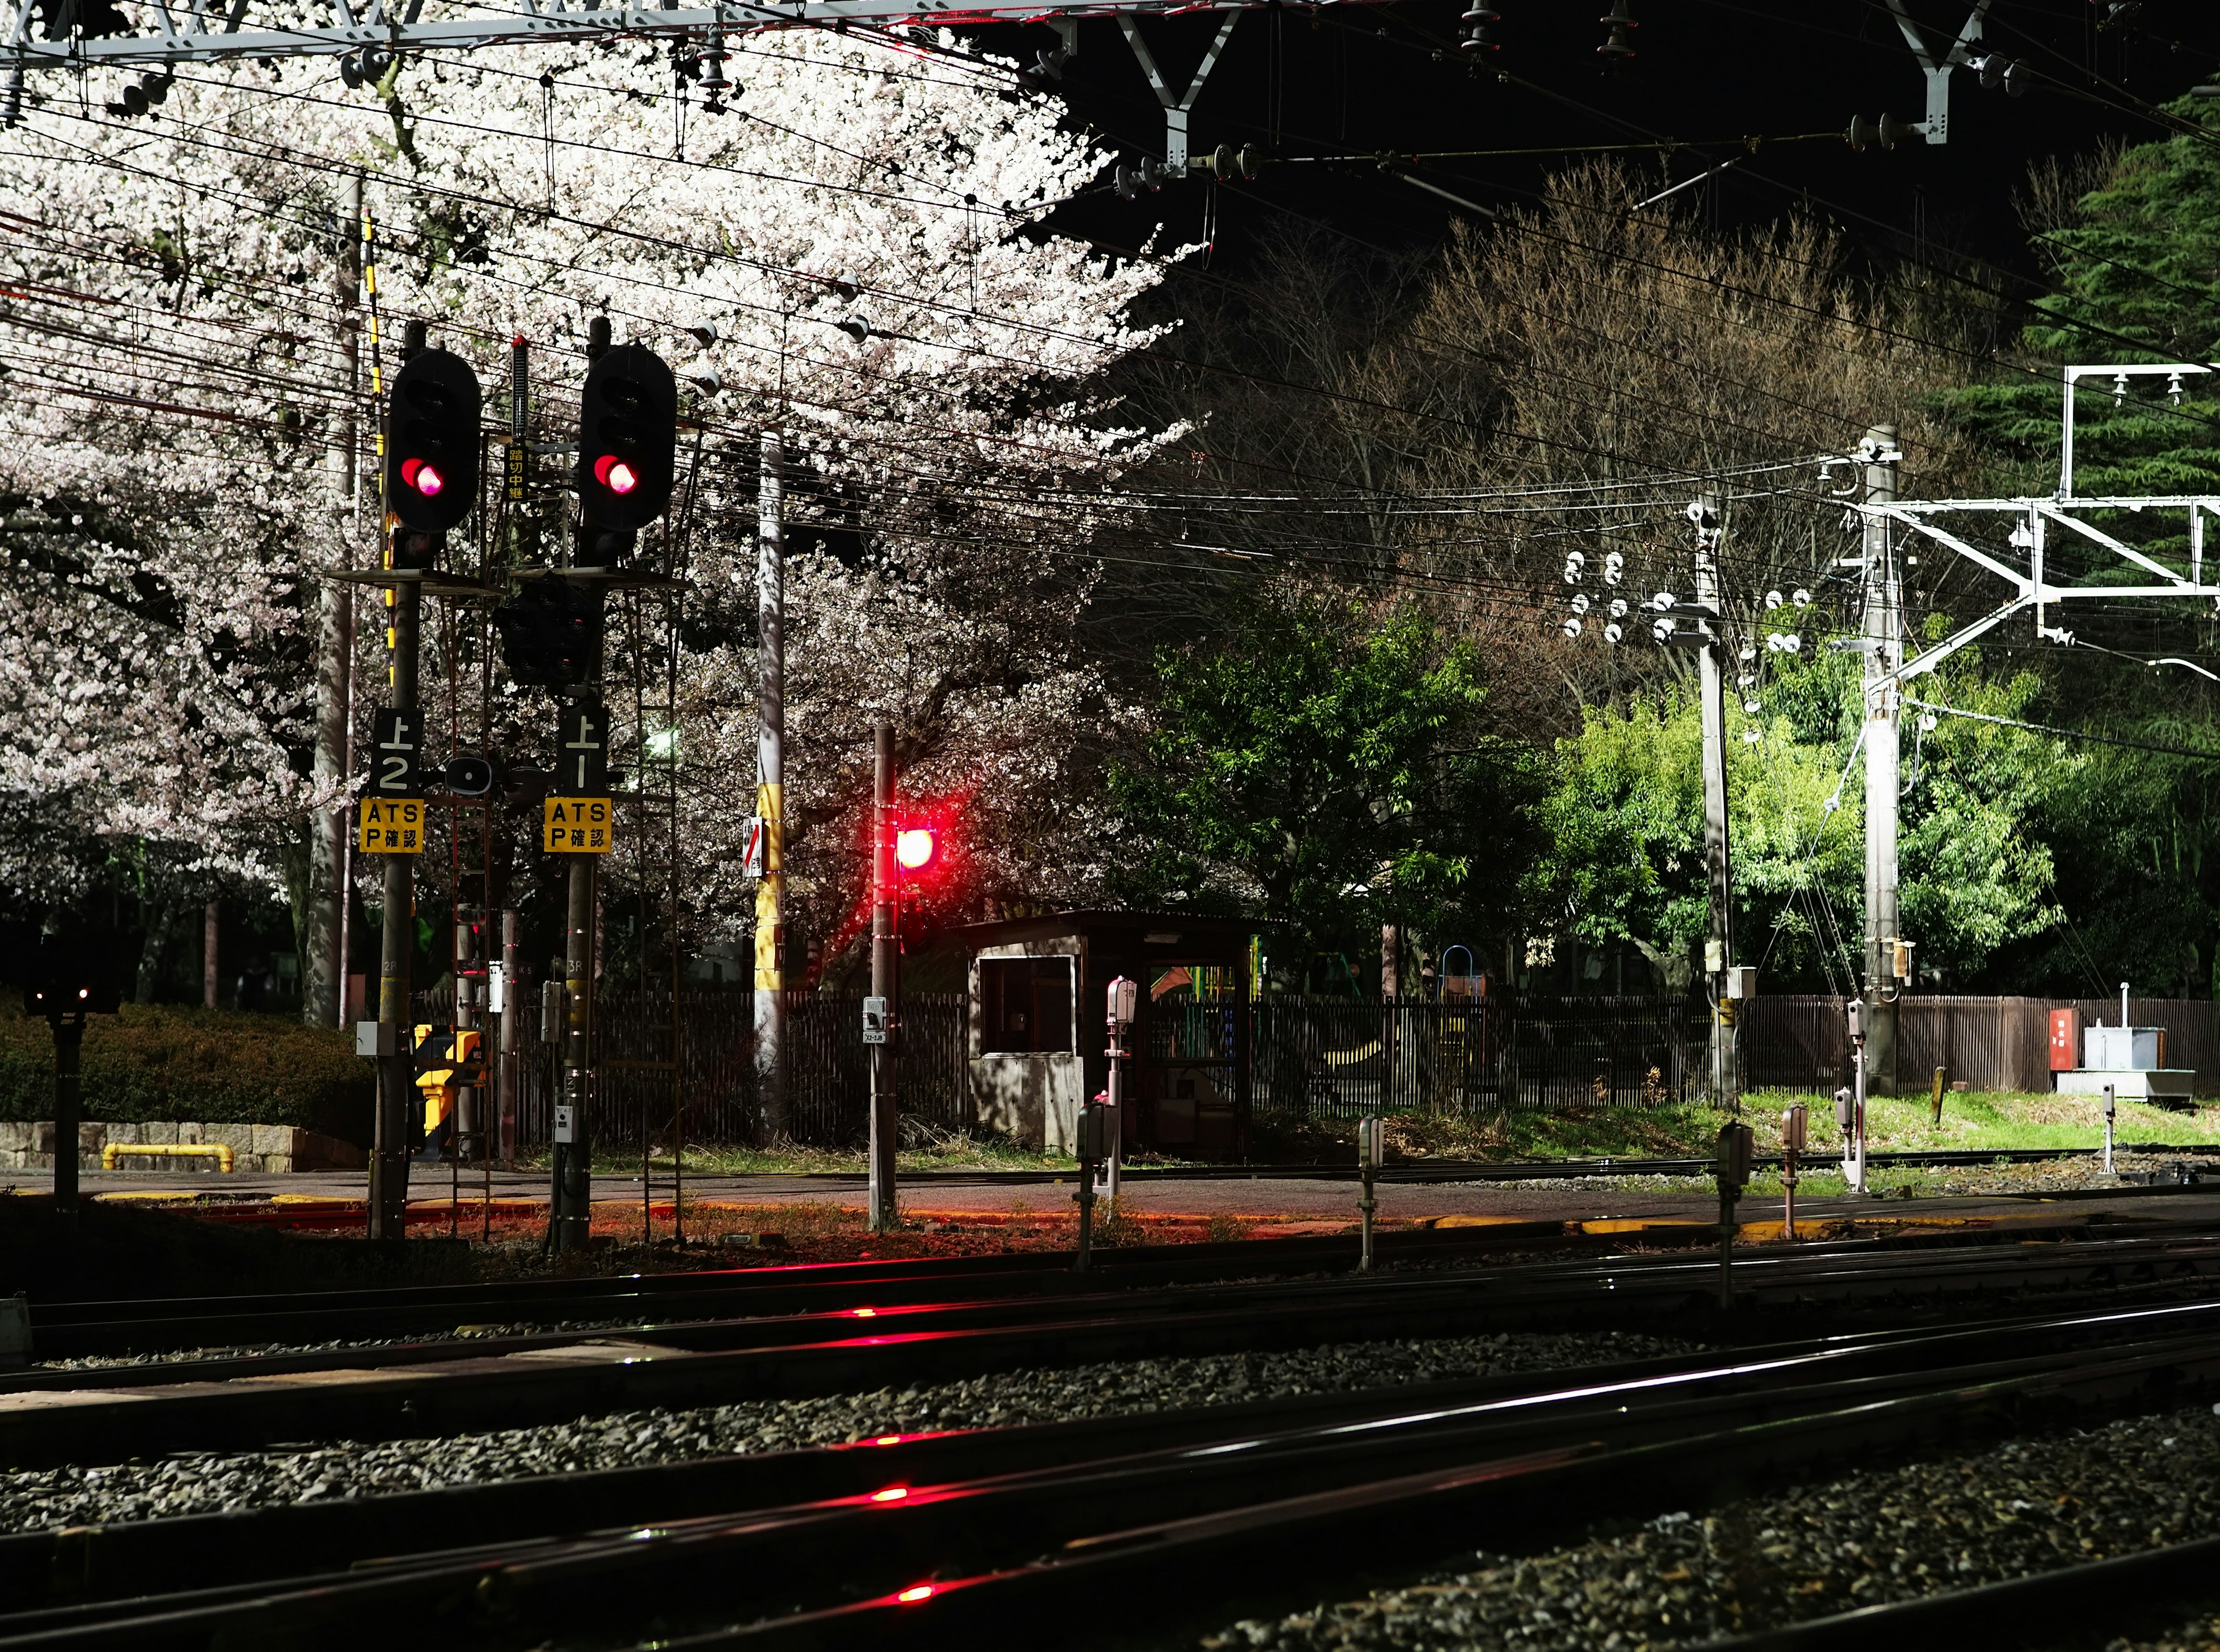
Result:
[391,825]
[578,826]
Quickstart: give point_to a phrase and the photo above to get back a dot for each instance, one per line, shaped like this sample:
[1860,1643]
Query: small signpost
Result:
[582,752]
[577,825]
[391,825]
[397,745]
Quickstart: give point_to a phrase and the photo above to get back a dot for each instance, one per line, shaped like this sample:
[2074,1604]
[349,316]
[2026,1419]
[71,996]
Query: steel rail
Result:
[69,1330]
[41,1568]
[818,1354]
[1042,1298]
[878,1542]
[73,1330]
[1267,1556]
[2106,1597]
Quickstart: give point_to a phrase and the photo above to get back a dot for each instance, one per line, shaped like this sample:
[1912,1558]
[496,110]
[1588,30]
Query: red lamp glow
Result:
[915,1593]
[423,476]
[614,474]
[914,846]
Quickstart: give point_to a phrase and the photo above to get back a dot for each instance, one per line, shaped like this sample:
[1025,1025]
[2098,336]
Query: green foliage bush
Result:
[163,1061]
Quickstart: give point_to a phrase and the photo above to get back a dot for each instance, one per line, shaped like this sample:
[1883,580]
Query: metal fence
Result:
[1312,1058]
[828,1082]
[1334,1058]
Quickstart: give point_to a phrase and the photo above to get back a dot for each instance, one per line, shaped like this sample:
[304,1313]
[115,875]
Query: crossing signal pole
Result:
[886,993]
[430,481]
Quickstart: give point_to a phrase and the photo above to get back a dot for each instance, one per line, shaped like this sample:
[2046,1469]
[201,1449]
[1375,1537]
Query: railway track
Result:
[54,1417]
[987,1536]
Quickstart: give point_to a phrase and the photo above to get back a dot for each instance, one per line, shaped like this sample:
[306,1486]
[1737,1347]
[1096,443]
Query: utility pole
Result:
[1883,648]
[1719,945]
[770,790]
[886,965]
[323,983]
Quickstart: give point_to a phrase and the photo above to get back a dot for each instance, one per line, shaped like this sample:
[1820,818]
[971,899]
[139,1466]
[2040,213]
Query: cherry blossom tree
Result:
[850,252]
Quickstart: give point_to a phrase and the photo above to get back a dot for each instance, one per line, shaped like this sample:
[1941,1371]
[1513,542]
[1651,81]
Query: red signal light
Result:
[915,847]
[423,476]
[614,474]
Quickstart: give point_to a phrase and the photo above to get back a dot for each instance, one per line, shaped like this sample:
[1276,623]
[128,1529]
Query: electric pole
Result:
[1719,945]
[323,985]
[1883,648]
[770,791]
[885,965]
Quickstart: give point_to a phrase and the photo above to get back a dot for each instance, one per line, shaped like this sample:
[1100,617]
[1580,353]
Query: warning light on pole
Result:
[915,847]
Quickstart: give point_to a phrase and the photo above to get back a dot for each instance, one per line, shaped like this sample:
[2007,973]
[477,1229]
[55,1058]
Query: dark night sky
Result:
[1353,78]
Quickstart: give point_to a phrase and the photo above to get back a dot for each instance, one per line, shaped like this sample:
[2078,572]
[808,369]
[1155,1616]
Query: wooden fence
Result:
[1802,1042]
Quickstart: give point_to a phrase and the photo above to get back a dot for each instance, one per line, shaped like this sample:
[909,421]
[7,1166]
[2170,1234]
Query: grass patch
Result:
[1972,1122]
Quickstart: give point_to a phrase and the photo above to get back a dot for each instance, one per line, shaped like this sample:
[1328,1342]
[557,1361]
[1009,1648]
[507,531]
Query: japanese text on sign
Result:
[391,825]
[577,825]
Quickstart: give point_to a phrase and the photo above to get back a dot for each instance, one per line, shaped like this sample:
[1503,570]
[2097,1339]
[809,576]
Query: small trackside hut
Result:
[1038,993]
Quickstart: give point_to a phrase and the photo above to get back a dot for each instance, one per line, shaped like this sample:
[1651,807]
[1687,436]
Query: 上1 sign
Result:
[391,825]
[577,825]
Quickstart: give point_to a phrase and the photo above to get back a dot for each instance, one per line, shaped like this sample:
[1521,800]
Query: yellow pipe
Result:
[114,1150]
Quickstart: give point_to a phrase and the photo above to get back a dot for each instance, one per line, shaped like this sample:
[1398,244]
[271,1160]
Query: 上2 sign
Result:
[577,825]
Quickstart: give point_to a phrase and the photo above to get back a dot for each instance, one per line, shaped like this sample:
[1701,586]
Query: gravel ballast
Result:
[1951,1522]
[205,1483]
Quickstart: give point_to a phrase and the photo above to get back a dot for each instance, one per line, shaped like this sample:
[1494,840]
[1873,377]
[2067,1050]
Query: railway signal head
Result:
[551,634]
[432,441]
[916,847]
[628,438]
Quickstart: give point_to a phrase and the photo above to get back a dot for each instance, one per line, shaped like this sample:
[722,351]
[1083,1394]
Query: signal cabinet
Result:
[1039,1036]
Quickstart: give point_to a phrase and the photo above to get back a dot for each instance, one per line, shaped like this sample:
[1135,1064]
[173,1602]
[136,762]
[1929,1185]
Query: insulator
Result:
[1791,642]
[1571,629]
[1619,607]
[1773,599]
[1482,14]
[1862,135]
[1620,46]
[1751,736]
[1663,601]
[1926,722]
[1613,573]
[1579,603]
[1577,558]
[1478,43]
[1613,633]
[1747,679]
[1752,706]
[1894,132]
[1801,597]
